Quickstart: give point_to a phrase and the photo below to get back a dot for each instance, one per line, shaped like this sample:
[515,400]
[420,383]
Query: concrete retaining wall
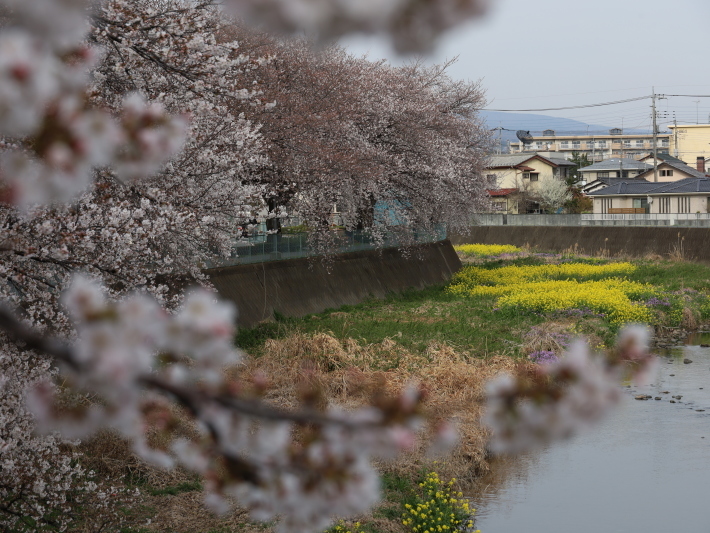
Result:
[692,243]
[298,287]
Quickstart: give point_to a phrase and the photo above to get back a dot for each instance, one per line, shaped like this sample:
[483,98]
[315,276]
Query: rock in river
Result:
[687,361]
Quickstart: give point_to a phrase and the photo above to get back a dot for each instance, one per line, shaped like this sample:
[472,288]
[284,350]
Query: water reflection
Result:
[646,468]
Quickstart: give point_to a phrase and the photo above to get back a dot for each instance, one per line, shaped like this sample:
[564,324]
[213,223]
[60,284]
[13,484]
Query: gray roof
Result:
[512,160]
[678,165]
[603,182]
[626,187]
[560,162]
[509,160]
[664,157]
[684,186]
[613,164]
[688,185]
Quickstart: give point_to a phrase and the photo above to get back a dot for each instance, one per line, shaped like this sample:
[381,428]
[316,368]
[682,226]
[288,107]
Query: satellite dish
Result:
[524,136]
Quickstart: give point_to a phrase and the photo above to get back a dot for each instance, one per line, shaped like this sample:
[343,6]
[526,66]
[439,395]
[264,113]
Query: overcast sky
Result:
[533,54]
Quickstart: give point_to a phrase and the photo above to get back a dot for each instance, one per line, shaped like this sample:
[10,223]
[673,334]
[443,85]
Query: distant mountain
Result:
[535,124]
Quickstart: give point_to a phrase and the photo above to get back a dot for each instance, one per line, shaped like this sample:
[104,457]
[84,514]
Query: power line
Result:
[570,107]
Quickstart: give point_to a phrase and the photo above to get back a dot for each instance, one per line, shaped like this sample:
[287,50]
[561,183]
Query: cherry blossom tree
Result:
[126,156]
[395,149]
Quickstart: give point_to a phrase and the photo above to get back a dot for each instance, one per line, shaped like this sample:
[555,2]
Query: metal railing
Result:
[645,216]
[597,219]
[281,246]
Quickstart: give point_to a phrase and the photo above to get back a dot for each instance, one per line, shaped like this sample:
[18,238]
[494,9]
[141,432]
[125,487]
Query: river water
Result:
[643,469]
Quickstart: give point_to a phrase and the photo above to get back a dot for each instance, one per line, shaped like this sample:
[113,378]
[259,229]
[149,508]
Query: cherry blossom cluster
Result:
[44,66]
[40,482]
[554,401]
[305,466]
[413,25]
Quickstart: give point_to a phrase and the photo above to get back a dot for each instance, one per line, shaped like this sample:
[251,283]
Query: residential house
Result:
[601,183]
[674,170]
[596,146]
[689,195]
[504,200]
[613,168]
[521,176]
[661,157]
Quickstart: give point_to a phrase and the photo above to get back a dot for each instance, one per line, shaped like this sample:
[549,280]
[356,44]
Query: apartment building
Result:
[689,142]
[597,147]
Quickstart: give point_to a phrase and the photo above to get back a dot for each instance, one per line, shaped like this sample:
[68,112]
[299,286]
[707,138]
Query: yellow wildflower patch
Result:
[483,250]
[547,288]
[438,509]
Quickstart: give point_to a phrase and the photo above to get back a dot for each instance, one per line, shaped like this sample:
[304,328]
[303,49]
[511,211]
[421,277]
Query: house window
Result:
[576,144]
[602,174]
[532,176]
[665,172]
[684,204]
[564,144]
[601,144]
[639,143]
[606,205]
[627,143]
[640,203]
[664,205]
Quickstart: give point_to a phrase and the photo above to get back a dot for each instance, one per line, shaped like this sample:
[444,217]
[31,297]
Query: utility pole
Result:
[675,135]
[655,138]
[621,140]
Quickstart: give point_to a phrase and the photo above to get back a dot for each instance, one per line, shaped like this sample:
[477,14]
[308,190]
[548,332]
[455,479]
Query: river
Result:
[643,469]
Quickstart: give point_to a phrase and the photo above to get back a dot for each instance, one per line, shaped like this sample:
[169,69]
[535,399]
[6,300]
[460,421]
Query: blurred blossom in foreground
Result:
[412,25]
[138,362]
[553,401]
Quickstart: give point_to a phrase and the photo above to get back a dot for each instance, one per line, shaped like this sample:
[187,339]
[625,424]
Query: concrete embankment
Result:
[297,287]
[688,243]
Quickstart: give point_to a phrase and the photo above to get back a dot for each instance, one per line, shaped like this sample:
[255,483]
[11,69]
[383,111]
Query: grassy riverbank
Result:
[495,314]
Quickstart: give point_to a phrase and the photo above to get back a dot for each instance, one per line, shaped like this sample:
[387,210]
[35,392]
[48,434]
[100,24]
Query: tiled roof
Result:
[678,165]
[560,162]
[684,186]
[688,185]
[501,192]
[509,160]
[614,164]
[626,187]
[513,160]
[664,157]
[603,182]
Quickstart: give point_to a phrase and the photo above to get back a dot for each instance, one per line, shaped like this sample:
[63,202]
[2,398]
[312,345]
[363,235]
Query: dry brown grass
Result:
[347,370]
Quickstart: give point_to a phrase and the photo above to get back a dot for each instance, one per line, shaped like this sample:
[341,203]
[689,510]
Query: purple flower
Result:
[543,357]
[657,301]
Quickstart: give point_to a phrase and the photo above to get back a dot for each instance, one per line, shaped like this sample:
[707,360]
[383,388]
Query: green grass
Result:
[413,318]
[416,318]
[673,275]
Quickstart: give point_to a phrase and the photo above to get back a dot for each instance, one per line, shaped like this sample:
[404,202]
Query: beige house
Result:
[689,195]
[516,179]
[614,168]
[690,141]
[673,170]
